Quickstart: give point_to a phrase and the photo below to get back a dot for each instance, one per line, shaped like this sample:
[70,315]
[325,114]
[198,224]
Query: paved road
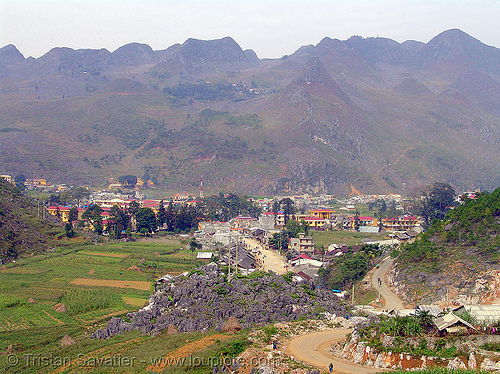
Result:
[391,300]
[273,260]
[314,349]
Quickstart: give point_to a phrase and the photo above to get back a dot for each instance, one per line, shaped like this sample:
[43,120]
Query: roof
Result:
[406,218]
[204,255]
[302,256]
[369,229]
[402,236]
[433,310]
[246,263]
[403,312]
[484,312]
[450,319]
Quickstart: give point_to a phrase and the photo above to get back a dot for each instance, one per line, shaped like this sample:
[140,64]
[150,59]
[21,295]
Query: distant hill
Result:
[21,230]
[380,115]
[454,253]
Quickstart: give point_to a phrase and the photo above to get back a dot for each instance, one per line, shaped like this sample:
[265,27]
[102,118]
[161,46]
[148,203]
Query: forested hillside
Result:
[21,230]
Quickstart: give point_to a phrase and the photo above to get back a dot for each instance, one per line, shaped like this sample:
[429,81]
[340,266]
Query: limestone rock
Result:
[489,365]
[472,361]
[455,364]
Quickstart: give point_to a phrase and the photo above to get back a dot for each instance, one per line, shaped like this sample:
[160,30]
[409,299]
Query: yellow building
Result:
[64,212]
[322,213]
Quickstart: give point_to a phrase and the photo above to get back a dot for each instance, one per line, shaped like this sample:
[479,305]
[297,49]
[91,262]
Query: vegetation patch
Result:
[79,301]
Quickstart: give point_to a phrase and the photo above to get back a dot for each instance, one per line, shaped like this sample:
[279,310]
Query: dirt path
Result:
[391,300]
[138,285]
[173,357]
[54,318]
[105,254]
[272,260]
[314,349]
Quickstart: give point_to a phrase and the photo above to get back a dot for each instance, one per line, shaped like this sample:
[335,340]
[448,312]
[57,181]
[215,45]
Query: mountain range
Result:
[367,114]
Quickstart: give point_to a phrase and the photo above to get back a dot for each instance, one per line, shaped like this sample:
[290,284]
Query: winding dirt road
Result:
[314,349]
[391,300]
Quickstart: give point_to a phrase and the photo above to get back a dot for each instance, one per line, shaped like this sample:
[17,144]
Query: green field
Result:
[36,329]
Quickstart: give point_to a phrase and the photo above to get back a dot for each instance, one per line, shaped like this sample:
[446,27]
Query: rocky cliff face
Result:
[361,353]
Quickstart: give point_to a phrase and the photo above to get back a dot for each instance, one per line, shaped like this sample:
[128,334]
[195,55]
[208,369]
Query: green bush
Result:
[491,346]
[8,301]
[233,349]
[270,331]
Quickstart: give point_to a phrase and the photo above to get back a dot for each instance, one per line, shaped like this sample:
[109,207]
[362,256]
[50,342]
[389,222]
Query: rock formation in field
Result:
[206,300]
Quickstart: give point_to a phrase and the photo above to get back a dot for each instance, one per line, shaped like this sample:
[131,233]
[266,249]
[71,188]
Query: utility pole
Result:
[201,187]
[229,260]
[236,262]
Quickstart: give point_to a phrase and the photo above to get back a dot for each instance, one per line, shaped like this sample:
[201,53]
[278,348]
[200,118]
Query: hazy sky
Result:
[271,28]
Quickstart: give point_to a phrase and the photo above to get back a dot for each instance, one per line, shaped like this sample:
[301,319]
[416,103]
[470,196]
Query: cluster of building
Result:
[305,259]
[37,184]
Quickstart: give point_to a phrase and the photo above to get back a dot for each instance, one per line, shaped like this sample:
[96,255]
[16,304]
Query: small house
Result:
[452,324]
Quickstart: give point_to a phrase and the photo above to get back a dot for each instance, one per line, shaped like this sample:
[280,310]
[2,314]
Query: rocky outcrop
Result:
[205,300]
[361,353]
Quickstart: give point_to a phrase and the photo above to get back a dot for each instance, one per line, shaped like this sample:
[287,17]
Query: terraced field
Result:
[95,283]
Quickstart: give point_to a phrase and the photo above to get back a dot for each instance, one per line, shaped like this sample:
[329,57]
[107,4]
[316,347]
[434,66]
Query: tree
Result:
[425,319]
[276,207]
[170,216]
[128,181]
[53,200]
[19,181]
[435,201]
[92,215]
[146,219]
[194,245]
[98,227]
[118,220]
[356,221]
[133,207]
[68,227]
[162,215]
[288,208]
[74,195]
[73,214]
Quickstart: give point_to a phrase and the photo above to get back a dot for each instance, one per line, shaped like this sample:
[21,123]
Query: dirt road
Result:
[272,260]
[391,300]
[314,349]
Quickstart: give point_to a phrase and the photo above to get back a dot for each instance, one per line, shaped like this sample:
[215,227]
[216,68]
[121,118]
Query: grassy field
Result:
[36,329]
[325,238]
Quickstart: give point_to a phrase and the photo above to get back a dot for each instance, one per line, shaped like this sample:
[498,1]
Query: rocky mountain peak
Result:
[134,54]
[10,55]
[218,51]
[457,51]
[316,80]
